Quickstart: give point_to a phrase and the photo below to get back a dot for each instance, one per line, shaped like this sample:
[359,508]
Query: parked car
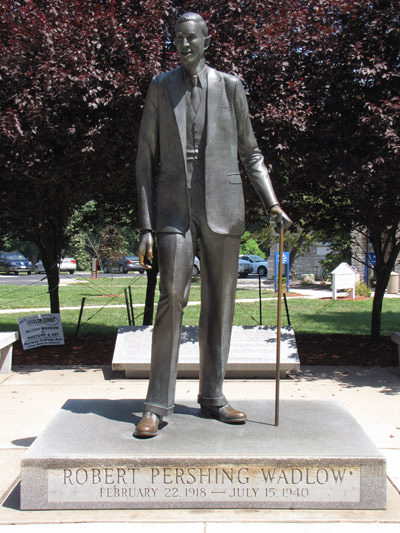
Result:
[67,264]
[196,267]
[245,268]
[260,265]
[14,262]
[124,265]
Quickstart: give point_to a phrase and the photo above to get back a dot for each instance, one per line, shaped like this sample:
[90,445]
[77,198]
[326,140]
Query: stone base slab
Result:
[252,353]
[318,458]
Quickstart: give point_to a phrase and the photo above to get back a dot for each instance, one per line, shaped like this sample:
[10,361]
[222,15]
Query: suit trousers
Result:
[219,271]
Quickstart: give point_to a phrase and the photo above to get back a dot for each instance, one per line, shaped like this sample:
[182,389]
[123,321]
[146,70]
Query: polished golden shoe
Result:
[148,426]
[226,414]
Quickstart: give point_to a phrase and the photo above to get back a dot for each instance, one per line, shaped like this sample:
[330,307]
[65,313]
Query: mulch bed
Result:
[358,350]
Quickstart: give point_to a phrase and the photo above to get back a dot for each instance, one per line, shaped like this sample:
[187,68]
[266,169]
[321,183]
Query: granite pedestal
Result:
[252,353]
[7,339]
[318,458]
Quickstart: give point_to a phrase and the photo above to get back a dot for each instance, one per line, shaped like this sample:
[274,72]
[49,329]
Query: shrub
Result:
[363,290]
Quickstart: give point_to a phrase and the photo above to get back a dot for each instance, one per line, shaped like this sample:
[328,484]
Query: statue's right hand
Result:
[280,217]
[145,251]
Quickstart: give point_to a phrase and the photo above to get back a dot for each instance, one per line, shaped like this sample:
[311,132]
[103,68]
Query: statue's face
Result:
[190,43]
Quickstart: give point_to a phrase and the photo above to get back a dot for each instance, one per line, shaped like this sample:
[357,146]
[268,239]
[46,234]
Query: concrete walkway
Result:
[30,397]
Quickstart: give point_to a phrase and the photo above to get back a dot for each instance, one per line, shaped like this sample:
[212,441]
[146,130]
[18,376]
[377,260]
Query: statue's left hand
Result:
[280,217]
[145,250]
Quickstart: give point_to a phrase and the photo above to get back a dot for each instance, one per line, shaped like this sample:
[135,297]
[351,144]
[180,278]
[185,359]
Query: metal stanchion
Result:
[127,307]
[131,306]
[80,317]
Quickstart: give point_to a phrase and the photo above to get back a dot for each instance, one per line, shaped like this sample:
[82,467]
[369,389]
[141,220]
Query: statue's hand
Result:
[280,217]
[146,250]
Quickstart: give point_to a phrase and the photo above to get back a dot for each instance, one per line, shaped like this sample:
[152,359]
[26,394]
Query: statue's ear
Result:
[207,41]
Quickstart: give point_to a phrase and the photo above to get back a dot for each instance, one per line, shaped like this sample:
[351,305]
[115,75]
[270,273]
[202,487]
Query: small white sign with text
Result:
[41,330]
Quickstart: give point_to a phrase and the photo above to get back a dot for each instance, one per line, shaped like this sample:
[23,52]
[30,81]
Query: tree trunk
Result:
[386,250]
[50,253]
[50,260]
[377,309]
[53,280]
[150,291]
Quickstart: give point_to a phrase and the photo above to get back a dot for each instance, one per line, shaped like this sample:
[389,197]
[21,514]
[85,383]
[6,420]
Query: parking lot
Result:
[41,279]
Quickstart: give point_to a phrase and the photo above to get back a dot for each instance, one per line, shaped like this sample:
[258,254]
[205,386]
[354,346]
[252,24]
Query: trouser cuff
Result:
[212,402]
[158,410]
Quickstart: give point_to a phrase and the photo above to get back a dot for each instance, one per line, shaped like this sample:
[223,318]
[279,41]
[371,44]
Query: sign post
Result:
[94,267]
[285,261]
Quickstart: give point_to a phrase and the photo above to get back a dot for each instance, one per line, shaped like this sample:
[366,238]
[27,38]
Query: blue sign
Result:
[285,263]
[370,260]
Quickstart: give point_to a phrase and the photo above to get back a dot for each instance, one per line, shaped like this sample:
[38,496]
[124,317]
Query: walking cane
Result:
[279,320]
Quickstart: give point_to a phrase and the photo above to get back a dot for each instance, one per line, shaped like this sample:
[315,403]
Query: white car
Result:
[260,265]
[196,267]
[68,264]
[245,268]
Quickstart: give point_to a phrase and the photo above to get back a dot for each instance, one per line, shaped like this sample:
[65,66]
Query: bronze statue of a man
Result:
[195,124]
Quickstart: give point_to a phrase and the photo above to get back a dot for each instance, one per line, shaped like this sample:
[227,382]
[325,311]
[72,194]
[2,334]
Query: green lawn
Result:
[307,316]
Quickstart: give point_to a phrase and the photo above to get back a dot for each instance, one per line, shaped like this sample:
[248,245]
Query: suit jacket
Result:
[161,161]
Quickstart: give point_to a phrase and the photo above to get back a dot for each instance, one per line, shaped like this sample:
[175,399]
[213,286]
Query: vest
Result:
[195,140]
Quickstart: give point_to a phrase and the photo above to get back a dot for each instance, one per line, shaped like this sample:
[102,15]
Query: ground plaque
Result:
[252,352]
[318,458]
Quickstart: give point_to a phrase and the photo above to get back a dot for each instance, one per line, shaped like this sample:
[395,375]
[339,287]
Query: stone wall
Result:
[309,263]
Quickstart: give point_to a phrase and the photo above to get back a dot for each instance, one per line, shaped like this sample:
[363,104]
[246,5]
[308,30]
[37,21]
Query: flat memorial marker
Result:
[252,353]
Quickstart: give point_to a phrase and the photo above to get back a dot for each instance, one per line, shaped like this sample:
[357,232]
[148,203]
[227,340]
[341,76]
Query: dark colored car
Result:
[126,264]
[14,262]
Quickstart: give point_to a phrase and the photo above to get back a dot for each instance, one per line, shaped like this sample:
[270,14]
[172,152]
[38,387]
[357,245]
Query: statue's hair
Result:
[195,17]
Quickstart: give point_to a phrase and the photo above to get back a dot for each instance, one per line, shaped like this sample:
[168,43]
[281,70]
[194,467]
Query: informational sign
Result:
[41,330]
[370,261]
[285,268]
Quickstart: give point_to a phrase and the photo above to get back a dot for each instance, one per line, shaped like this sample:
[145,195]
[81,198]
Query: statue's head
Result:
[191,39]
[194,17]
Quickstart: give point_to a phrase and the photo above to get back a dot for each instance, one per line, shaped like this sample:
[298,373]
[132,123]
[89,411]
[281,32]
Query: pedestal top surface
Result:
[104,428]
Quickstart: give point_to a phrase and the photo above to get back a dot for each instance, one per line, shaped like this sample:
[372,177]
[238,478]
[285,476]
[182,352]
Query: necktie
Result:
[195,94]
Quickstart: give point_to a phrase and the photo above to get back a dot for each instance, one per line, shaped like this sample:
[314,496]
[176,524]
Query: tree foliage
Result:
[249,245]
[73,79]
[111,245]
[323,89]
[323,83]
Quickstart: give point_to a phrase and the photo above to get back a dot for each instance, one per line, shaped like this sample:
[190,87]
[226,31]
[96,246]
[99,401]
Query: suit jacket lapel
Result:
[177,95]
[215,88]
